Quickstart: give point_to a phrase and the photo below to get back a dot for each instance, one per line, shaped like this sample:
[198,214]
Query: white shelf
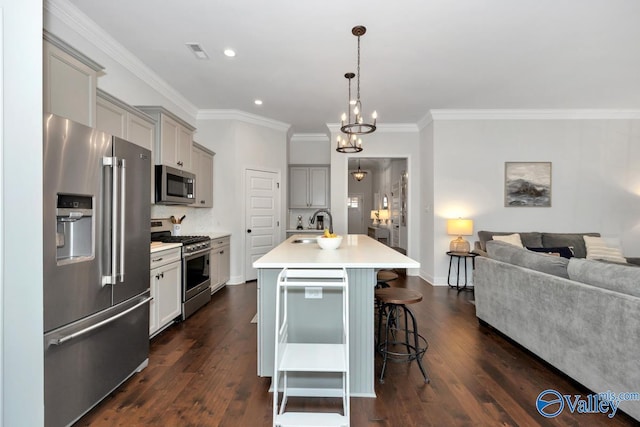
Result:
[310,419]
[313,358]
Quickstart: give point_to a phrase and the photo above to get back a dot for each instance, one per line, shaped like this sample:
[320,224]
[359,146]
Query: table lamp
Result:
[374,215]
[384,214]
[459,227]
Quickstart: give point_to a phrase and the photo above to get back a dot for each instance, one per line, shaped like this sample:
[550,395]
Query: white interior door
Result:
[356,214]
[262,216]
[395,214]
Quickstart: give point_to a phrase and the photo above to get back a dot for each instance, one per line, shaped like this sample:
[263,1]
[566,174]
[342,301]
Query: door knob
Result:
[248,230]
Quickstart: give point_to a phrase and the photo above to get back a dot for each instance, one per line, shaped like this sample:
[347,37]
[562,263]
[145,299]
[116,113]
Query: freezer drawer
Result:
[85,361]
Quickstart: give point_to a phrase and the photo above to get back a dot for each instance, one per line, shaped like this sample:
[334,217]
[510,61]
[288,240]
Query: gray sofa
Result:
[581,316]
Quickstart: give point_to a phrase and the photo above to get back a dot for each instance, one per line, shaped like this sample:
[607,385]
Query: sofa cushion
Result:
[564,252]
[511,254]
[572,240]
[528,238]
[597,248]
[512,239]
[615,277]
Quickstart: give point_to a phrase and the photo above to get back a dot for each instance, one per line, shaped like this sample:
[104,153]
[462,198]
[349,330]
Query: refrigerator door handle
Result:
[111,278]
[123,197]
[60,341]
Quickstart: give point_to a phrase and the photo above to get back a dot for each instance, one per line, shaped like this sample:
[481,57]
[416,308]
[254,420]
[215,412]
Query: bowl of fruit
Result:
[329,240]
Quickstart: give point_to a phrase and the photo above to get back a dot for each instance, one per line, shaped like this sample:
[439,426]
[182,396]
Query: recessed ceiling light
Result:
[230,53]
[197,50]
[258,102]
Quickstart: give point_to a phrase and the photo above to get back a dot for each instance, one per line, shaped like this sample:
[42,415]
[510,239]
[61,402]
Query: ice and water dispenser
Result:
[74,228]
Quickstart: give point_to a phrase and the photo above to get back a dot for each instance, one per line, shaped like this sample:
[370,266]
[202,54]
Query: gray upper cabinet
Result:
[124,121]
[69,81]
[173,138]
[202,160]
[309,187]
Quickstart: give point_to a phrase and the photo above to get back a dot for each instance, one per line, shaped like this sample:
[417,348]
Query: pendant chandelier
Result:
[357,126]
[359,174]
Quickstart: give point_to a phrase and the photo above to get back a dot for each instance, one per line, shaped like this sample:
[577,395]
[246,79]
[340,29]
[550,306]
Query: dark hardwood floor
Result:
[202,372]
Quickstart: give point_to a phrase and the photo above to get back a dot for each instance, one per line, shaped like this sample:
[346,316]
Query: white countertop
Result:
[305,230]
[217,234]
[356,251]
[159,246]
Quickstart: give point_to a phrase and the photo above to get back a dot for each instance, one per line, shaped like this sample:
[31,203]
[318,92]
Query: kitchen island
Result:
[361,256]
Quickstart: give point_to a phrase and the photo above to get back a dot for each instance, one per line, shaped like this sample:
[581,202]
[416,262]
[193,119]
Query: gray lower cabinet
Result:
[220,262]
[166,291]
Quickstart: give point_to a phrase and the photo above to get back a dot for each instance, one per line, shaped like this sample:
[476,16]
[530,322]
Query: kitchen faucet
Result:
[313,218]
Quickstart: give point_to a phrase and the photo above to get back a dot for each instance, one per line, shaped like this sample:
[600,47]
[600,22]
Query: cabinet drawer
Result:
[220,242]
[161,258]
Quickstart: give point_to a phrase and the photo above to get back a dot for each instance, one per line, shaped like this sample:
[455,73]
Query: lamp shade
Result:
[460,227]
[374,214]
[384,214]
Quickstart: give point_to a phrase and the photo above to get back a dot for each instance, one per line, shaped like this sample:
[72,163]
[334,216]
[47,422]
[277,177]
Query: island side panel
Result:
[361,323]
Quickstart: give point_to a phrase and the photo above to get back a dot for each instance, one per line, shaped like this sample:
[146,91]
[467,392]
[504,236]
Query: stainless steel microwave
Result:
[174,186]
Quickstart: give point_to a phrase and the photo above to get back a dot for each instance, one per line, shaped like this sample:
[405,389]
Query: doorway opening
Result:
[377,205]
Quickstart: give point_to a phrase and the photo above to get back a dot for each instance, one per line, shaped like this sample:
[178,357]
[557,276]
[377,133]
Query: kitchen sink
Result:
[304,241]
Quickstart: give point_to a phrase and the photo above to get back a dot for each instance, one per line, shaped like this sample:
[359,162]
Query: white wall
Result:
[22,356]
[595,178]
[309,149]
[426,177]
[395,142]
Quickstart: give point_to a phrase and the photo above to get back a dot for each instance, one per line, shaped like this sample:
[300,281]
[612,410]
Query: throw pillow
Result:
[597,249]
[512,239]
[564,252]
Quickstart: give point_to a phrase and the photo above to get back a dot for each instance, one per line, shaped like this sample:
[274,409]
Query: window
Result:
[353,202]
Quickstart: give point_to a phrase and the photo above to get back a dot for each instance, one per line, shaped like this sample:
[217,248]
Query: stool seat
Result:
[386,276]
[398,296]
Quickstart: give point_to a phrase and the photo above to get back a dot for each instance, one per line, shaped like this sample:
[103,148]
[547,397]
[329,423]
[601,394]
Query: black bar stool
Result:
[393,304]
[383,277]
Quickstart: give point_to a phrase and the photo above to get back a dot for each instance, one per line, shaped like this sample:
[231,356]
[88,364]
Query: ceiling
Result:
[417,55]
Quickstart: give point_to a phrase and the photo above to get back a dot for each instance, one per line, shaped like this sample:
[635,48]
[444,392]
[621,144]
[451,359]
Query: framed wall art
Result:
[527,184]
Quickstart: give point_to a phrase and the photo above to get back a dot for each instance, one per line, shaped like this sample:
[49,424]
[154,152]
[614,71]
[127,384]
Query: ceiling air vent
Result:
[197,50]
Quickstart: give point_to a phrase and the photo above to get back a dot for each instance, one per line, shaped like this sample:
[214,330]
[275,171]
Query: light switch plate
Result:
[313,293]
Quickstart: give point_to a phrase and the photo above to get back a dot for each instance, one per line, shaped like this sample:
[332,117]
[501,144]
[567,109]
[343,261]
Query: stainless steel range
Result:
[195,265]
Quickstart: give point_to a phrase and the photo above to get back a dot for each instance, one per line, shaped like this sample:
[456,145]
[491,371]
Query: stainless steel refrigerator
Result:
[96,220]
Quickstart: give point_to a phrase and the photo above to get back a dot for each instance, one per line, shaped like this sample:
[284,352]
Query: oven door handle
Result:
[193,255]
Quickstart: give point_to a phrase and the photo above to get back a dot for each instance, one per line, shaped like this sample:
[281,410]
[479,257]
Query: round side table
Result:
[460,256]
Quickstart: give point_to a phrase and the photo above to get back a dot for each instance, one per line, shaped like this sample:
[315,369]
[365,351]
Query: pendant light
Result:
[359,174]
[357,126]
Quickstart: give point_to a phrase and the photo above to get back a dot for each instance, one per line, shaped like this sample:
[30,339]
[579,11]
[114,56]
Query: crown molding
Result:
[89,30]
[384,128]
[425,121]
[309,137]
[243,117]
[534,114]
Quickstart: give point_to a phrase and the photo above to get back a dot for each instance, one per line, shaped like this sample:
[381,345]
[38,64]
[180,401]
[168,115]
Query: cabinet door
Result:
[183,149]
[203,168]
[169,294]
[298,187]
[153,304]
[319,187]
[214,269]
[69,86]
[111,118]
[140,132]
[169,142]
[225,264]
